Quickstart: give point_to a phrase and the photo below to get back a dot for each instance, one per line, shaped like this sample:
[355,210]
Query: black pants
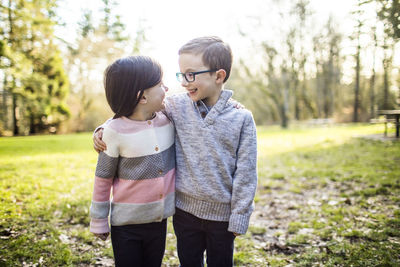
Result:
[139,244]
[195,235]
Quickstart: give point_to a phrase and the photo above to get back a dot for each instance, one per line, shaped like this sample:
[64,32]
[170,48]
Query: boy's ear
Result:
[143,99]
[221,74]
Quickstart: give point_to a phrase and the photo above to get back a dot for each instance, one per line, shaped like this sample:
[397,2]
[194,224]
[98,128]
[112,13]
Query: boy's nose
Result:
[184,83]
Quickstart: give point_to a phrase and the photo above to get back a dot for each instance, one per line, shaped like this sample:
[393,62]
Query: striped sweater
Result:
[139,167]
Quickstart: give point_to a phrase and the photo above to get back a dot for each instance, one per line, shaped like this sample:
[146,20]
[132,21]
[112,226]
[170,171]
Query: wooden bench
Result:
[383,120]
[390,116]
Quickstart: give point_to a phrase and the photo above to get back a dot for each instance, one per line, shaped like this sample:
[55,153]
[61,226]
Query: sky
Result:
[171,23]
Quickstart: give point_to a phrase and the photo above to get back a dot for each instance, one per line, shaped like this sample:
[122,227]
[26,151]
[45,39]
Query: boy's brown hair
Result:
[216,53]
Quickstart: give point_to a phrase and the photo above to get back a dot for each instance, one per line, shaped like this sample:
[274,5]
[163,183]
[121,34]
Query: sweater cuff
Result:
[238,223]
[99,226]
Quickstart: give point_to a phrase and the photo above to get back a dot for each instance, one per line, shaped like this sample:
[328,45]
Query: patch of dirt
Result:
[277,208]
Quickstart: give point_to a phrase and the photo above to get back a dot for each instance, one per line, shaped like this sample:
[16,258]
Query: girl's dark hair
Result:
[127,77]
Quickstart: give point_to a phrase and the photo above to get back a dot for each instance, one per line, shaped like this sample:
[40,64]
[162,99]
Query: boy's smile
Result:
[205,85]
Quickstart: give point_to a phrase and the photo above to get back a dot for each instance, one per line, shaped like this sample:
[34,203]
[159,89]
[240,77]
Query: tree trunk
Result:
[32,127]
[5,106]
[285,107]
[284,119]
[357,85]
[372,80]
[387,60]
[14,114]
[372,94]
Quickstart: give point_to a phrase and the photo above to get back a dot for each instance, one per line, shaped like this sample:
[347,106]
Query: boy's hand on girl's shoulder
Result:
[98,143]
[236,234]
[239,106]
[236,104]
[102,236]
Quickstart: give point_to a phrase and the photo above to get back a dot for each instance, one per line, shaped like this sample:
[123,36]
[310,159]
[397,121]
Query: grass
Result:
[324,198]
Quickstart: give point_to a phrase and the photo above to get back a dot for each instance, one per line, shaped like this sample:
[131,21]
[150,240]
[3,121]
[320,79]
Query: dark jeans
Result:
[139,244]
[195,235]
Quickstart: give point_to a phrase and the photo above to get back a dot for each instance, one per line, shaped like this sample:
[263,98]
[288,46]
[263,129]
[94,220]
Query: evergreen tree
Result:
[32,66]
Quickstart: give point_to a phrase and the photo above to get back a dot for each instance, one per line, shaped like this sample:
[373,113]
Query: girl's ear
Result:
[221,74]
[143,99]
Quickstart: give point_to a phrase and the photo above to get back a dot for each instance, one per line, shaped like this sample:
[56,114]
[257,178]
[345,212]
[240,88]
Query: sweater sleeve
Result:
[244,178]
[106,169]
[102,126]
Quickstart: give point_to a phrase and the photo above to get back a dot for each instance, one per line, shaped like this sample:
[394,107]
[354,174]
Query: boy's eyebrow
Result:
[193,69]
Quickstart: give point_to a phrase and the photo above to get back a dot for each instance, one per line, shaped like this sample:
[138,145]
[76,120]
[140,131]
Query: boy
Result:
[216,156]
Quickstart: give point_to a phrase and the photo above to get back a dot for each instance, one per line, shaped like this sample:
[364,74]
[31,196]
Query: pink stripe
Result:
[143,191]
[99,226]
[125,125]
[102,189]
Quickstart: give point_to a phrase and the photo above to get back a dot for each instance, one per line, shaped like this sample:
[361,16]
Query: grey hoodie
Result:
[216,159]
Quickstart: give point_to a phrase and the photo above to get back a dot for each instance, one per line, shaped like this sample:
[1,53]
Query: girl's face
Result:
[155,97]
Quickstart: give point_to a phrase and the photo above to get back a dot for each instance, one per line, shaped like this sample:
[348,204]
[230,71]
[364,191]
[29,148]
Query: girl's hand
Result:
[102,236]
[236,234]
[98,143]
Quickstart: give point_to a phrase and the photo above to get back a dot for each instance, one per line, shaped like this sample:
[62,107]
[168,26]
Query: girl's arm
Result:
[106,170]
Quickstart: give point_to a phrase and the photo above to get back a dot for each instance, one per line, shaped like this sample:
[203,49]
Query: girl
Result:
[138,164]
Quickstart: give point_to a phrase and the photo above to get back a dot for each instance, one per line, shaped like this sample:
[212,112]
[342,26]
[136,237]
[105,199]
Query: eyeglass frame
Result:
[194,73]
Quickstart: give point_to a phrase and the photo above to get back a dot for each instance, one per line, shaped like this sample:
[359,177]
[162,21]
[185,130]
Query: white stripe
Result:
[147,142]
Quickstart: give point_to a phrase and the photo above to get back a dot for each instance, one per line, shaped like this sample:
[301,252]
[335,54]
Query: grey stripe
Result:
[147,167]
[99,210]
[169,205]
[124,213]
[213,211]
[106,166]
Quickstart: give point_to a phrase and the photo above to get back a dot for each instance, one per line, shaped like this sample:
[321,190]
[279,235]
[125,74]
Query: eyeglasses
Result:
[190,76]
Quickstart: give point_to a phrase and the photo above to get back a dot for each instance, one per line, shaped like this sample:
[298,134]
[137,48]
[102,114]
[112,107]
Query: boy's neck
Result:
[211,101]
[141,115]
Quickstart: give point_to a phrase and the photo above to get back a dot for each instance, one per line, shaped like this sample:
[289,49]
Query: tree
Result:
[96,46]
[297,38]
[327,60]
[372,100]
[389,13]
[32,65]
[357,57]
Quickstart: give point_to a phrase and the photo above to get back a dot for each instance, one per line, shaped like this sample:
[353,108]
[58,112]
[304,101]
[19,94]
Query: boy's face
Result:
[205,86]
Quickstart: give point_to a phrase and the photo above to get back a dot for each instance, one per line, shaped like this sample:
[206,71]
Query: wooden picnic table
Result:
[392,113]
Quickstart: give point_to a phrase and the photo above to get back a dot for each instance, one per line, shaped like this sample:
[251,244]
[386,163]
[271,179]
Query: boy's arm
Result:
[105,172]
[244,179]
[103,125]
[98,143]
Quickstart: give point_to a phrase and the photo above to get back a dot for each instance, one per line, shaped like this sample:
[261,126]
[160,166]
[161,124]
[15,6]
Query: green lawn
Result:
[325,198]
